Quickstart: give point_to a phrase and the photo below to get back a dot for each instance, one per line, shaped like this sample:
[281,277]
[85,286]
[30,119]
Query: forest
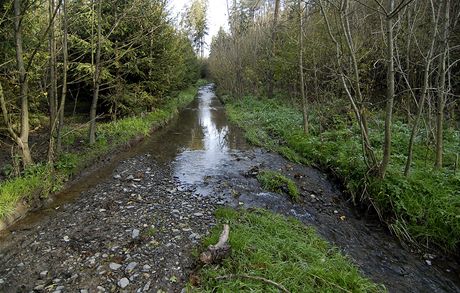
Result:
[69,65]
[307,146]
[365,89]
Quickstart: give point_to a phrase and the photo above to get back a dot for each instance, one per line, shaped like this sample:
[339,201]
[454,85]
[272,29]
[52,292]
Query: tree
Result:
[196,24]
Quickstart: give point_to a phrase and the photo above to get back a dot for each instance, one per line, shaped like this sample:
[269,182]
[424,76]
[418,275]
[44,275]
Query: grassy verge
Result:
[277,182]
[282,250]
[423,208]
[39,180]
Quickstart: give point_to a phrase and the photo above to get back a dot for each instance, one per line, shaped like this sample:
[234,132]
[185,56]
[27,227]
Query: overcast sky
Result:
[217,15]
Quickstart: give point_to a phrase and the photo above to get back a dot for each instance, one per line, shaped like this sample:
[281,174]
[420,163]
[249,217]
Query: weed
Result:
[277,182]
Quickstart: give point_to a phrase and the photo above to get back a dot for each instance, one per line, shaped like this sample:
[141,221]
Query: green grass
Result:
[423,208]
[39,180]
[282,250]
[277,182]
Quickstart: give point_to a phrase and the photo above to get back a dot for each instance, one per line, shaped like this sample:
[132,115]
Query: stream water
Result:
[211,158]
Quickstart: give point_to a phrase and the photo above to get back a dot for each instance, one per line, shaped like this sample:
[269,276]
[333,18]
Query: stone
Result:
[39,287]
[428,262]
[146,268]
[122,283]
[66,238]
[2,281]
[114,266]
[100,289]
[198,214]
[117,176]
[130,177]
[131,266]
[84,291]
[43,274]
[135,233]
[146,287]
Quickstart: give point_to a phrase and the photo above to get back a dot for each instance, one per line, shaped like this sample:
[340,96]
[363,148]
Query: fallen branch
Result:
[232,276]
[219,251]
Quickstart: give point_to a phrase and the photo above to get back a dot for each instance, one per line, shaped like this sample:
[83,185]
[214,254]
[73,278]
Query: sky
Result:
[217,16]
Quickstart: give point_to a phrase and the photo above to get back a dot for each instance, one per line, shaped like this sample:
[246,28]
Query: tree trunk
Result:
[23,141]
[302,83]
[441,95]
[96,79]
[52,91]
[271,72]
[390,92]
[65,58]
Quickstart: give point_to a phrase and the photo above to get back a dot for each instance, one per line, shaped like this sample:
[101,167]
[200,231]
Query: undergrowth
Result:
[279,249]
[41,179]
[277,182]
[423,208]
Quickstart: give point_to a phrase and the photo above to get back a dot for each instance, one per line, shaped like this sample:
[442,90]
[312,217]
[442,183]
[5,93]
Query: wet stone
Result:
[122,283]
[114,266]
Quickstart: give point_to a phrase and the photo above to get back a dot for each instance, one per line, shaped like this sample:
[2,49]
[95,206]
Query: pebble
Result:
[66,238]
[146,287]
[2,281]
[135,233]
[428,262]
[100,289]
[117,176]
[130,177]
[43,274]
[131,266]
[39,287]
[84,291]
[198,214]
[146,268]
[123,283]
[114,266]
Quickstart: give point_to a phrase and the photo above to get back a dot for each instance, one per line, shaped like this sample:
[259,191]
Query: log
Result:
[218,251]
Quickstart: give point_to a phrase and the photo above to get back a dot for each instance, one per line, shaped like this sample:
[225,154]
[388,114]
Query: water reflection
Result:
[212,140]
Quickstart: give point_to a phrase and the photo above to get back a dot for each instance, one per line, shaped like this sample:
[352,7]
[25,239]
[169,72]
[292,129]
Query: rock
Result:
[84,291]
[114,266]
[428,262]
[131,266]
[39,287]
[2,281]
[123,283]
[117,176]
[135,233]
[146,268]
[59,288]
[130,177]
[43,274]
[146,287]
[66,238]
[175,211]
[336,211]
[198,214]
[100,289]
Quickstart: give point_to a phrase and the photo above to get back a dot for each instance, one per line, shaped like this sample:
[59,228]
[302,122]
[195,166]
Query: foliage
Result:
[277,182]
[282,250]
[423,208]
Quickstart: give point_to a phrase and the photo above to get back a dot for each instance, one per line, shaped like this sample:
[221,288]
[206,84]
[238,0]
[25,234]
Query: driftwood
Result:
[219,251]
[279,286]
